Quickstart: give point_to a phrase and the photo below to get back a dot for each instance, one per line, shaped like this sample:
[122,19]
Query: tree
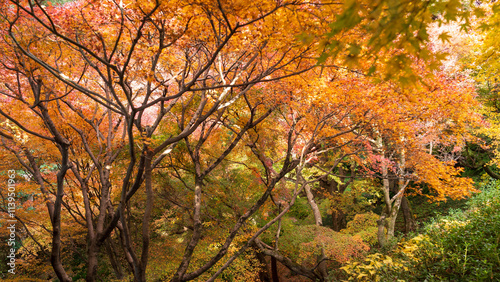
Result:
[385,26]
[482,62]
[110,79]
[115,96]
[403,144]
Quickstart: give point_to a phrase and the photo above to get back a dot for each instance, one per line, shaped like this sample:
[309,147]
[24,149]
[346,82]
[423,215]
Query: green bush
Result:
[365,226]
[305,243]
[462,246]
[300,210]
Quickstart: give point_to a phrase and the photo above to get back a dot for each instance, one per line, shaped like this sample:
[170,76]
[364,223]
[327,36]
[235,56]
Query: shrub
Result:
[305,243]
[462,246]
[375,267]
[365,226]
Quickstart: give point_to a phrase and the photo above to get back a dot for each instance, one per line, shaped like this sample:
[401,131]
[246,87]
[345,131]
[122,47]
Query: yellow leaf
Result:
[388,260]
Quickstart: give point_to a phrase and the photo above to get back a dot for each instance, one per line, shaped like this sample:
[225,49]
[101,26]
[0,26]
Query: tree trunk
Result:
[312,203]
[381,230]
[383,222]
[490,172]
[319,222]
[92,243]
[147,217]
[264,271]
[63,146]
[110,250]
[92,261]
[195,237]
[55,257]
[410,224]
[387,220]
[293,266]
[391,221]
[274,270]
[338,220]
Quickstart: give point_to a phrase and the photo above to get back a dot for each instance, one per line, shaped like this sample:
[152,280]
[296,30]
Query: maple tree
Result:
[482,62]
[412,129]
[324,122]
[409,153]
[187,79]
[384,26]
[399,137]
[194,121]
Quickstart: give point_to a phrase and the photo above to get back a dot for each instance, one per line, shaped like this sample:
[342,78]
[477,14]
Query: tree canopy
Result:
[203,140]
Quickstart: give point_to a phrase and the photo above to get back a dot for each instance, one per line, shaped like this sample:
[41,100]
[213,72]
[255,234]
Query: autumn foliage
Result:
[170,140]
